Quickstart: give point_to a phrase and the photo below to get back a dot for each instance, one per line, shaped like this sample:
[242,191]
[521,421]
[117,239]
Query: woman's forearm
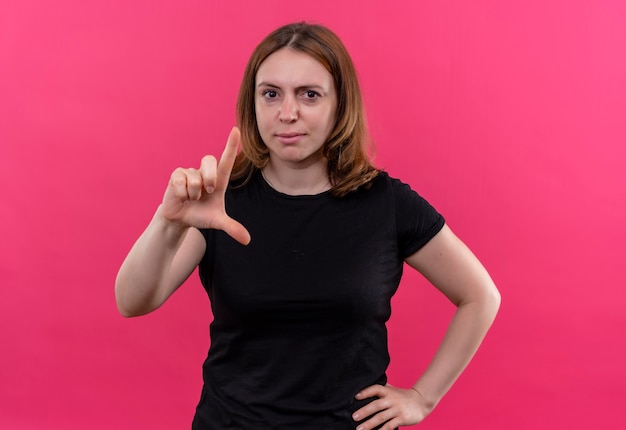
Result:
[144,280]
[464,335]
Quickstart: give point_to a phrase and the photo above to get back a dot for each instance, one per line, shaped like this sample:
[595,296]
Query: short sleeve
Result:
[416,220]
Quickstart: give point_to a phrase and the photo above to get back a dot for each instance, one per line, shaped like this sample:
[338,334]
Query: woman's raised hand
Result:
[195,197]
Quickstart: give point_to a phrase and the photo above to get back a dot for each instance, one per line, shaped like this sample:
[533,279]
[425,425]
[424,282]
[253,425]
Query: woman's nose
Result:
[288,111]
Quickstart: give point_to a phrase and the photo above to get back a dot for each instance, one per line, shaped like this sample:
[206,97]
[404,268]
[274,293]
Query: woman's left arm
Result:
[453,269]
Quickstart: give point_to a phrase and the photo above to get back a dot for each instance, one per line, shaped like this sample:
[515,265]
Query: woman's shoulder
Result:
[384,181]
[401,192]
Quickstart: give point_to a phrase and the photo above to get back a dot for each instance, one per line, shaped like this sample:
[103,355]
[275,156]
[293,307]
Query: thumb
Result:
[235,230]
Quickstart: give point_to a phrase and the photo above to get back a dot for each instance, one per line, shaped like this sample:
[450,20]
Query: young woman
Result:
[300,244]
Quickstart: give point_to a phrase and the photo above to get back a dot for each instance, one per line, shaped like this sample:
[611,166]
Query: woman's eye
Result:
[311,94]
[270,94]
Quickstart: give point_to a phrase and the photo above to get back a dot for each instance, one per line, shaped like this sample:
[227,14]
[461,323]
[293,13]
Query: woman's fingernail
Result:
[210,189]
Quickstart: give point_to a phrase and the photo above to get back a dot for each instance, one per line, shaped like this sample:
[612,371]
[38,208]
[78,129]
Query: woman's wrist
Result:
[170,228]
[426,399]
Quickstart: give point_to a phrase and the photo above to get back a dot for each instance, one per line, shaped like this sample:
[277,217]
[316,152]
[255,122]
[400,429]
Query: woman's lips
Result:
[289,138]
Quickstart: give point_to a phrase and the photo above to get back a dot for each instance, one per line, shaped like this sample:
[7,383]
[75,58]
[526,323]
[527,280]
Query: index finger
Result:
[225,165]
[375,390]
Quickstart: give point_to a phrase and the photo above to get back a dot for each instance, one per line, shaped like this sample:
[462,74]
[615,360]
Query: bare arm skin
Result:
[453,269]
[170,248]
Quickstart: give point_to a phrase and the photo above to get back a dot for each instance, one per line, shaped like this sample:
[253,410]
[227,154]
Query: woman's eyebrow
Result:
[266,84]
[299,87]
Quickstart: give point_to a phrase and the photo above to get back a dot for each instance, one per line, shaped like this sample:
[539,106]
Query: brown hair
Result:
[348,164]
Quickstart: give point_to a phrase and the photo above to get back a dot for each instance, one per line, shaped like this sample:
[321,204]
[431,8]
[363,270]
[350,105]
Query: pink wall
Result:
[508,116]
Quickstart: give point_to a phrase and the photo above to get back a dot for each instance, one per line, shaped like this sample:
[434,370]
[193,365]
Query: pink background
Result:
[507,115]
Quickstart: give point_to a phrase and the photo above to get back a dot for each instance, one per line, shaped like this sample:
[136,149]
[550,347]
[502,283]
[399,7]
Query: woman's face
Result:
[295,103]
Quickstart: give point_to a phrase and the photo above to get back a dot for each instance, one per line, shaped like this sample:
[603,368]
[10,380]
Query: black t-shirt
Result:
[300,313]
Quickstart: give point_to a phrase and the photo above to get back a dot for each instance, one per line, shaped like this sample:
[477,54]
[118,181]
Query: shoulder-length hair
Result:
[345,149]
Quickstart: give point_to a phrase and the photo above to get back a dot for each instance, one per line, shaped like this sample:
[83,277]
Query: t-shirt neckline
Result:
[268,188]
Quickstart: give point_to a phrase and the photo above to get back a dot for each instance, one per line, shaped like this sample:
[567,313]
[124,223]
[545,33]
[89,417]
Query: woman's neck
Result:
[309,180]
